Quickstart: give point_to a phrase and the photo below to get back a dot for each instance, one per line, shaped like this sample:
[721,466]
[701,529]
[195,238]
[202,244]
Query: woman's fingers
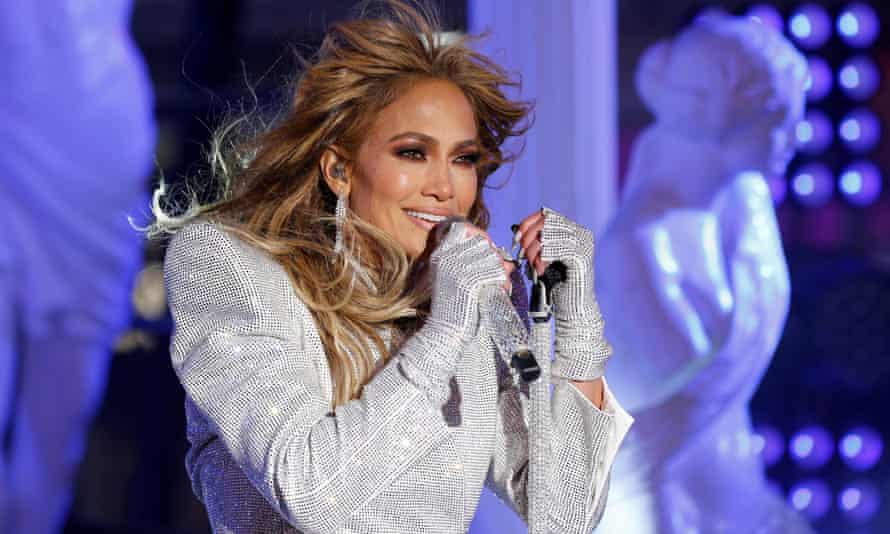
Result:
[530,221]
[508,266]
[532,234]
[530,241]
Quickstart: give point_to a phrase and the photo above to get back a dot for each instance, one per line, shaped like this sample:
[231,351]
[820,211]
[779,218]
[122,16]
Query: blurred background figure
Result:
[694,281]
[76,147]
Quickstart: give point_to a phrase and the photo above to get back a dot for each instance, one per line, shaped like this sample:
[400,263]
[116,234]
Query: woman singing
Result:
[328,389]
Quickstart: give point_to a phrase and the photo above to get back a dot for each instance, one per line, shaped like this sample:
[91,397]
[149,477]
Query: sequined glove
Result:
[581,349]
[461,270]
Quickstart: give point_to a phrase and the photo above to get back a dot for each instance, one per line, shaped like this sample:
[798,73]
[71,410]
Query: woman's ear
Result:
[335,171]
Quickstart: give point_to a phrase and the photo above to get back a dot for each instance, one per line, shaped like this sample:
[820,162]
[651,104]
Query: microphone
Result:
[494,305]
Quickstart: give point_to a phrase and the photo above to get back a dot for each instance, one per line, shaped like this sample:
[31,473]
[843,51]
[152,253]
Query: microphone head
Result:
[555,273]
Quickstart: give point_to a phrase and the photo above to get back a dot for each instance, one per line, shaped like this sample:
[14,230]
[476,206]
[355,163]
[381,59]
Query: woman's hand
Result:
[508,265]
[440,231]
[459,261]
[530,241]
[548,236]
[581,349]
[458,266]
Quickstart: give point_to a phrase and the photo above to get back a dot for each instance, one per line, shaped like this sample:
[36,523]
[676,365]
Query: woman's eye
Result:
[411,153]
[471,159]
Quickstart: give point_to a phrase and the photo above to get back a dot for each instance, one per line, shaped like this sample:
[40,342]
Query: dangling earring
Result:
[340,215]
[340,211]
[340,222]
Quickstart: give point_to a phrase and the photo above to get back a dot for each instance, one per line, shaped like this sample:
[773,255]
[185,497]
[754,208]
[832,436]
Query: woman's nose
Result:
[439,184]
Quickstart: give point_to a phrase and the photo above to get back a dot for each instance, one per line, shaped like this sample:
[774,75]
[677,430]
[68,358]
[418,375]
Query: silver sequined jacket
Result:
[269,456]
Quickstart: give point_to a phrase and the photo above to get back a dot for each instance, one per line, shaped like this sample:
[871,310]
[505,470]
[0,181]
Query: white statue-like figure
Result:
[76,147]
[693,282]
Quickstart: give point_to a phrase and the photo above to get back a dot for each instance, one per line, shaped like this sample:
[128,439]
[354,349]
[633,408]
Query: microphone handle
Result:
[510,334]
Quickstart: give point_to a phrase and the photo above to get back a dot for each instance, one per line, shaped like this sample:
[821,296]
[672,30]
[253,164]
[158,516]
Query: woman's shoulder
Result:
[209,263]
[202,233]
[210,241]
[207,254]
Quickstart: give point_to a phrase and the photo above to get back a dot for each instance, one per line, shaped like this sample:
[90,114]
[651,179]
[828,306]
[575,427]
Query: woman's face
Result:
[418,158]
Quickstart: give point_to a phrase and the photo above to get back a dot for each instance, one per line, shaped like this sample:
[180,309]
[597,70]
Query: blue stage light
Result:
[860,129]
[859,501]
[810,26]
[768,443]
[858,25]
[820,79]
[861,448]
[860,183]
[801,26]
[859,77]
[811,497]
[812,447]
[813,184]
[814,133]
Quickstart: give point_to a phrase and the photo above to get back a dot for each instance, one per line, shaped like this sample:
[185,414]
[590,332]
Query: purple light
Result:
[821,79]
[858,25]
[860,129]
[861,448]
[778,189]
[812,447]
[768,15]
[859,501]
[814,132]
[813,184]
[810,26]
[860,183]
[859,77]
[810,497]
[769,444]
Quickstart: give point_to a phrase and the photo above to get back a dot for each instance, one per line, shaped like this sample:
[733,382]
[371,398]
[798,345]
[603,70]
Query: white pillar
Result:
[565,52]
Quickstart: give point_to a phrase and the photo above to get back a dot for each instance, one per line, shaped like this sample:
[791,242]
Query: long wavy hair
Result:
[265,183]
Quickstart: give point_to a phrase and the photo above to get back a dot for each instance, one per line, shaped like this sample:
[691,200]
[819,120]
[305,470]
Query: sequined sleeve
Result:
[242,357]
[584,443]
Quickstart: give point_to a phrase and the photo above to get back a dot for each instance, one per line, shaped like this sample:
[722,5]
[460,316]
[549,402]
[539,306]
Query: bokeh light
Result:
[768,443]
[811,497]
[812,184]
[810,26]
[861,448]
[820,79]
[859,77]
[858,25]
[814,133]
[860,183]
[811,447]
[860,130]
[148,297]
[859,501]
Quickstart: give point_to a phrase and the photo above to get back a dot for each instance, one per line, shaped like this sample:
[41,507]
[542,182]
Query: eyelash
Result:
[472,157]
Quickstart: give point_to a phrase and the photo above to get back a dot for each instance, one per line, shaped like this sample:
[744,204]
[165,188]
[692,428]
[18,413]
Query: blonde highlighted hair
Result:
[267,187]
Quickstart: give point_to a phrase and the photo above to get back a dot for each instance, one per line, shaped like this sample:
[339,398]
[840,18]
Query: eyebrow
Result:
[431,140]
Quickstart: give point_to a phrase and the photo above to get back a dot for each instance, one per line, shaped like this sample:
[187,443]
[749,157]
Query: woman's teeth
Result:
[426,216]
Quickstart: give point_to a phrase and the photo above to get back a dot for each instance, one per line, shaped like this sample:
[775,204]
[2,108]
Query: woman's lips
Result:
[426,225]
